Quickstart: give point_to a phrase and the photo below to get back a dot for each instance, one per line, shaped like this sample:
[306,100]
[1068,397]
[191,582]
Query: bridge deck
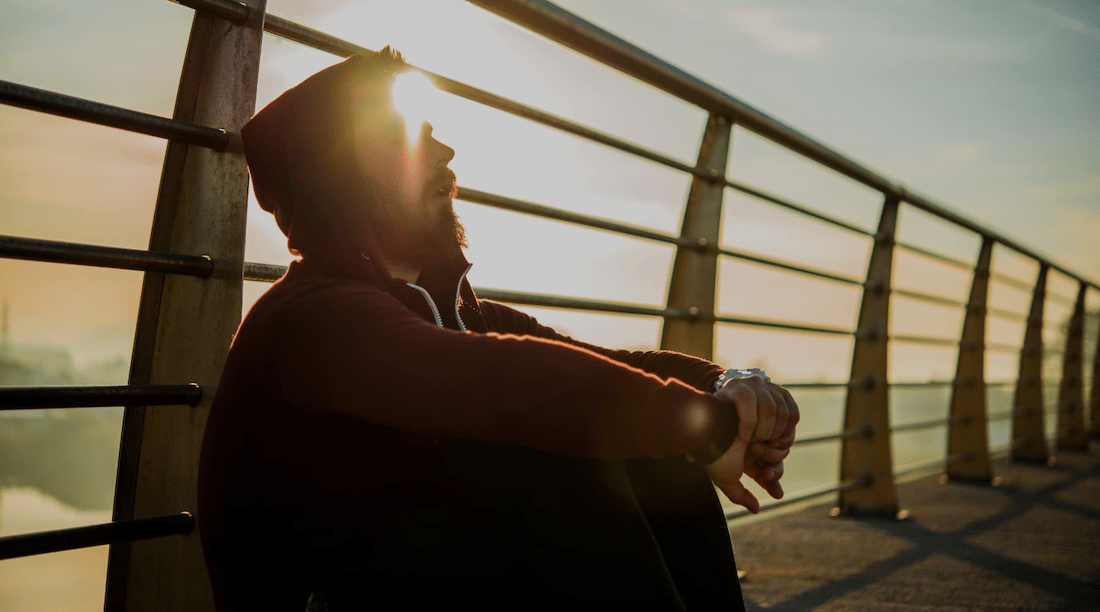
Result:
[1031,543]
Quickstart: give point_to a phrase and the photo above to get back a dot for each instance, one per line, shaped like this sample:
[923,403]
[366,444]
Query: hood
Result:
[301,157]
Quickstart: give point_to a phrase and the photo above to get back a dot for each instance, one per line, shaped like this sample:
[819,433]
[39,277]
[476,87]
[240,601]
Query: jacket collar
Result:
[445,282]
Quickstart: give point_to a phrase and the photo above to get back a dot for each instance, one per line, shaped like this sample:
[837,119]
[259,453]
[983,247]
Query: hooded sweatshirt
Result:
[343,385]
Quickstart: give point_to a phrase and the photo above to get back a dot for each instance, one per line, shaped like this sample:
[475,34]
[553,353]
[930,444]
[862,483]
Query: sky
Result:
[990,108]
[987,108]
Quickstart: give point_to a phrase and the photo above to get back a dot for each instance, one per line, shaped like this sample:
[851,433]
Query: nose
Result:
[439,154]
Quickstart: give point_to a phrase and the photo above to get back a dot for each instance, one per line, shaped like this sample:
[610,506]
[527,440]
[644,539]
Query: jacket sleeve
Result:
[699,373]
[354,349]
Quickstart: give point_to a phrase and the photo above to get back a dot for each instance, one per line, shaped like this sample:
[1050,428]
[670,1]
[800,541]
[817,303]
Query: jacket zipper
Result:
[458,293]
[435,309]
[431,304]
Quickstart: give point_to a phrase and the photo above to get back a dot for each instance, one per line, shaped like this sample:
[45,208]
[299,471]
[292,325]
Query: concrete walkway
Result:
[1031,543]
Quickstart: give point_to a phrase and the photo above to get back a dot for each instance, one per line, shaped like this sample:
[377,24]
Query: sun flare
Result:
[414,96]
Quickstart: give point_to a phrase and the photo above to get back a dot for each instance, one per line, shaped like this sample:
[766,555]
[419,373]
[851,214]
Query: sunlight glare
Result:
[414,97]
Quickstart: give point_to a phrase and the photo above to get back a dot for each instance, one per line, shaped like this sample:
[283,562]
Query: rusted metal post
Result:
[185,324]
[693,286]
[1071,396]
[868,403]
[967,435]
[1029,441]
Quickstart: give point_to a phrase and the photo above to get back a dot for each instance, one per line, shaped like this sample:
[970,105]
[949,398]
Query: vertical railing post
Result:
[1071,398]
[1029,441]
[693,286]
[1094,393]
[868,403]
[967,438]
[185,324]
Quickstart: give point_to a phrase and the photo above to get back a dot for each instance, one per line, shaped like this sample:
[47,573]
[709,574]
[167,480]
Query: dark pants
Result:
[513,528]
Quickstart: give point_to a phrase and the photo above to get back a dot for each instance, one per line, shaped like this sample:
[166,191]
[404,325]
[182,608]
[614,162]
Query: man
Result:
[381,435]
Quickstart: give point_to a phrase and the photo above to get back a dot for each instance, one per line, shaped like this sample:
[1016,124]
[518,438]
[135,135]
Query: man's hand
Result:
[768,416]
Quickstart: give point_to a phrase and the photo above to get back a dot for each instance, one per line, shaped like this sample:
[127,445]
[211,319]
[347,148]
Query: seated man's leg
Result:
[687,519]
[511,527]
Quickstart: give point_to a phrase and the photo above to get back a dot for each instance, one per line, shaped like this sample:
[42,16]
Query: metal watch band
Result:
[738,374]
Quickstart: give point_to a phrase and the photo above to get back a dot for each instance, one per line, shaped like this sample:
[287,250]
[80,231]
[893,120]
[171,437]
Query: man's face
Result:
[410,204]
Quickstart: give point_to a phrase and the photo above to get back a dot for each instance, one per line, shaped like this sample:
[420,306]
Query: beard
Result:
[404,236]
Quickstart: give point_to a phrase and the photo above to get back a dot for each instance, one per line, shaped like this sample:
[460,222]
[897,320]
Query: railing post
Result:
[967,436]
[1094,394]
[1029,441]
[868,403]
[693,286]
[1071,397]
[185,324]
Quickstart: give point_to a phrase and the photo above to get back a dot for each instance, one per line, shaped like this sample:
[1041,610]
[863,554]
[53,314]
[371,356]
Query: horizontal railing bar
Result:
[18,398]
[261,272]
[940,257]
[1000,416]
[553,301]
[529,208]
[569,30]
[989,346]
[325,42]
[1054,297]
[816,385]
[1011,281]
[774,199]
[53,251]
[746,256]
[782,325]
[923,383]
[817,439]
[71,107]
[803,495]
[926,340]
[1006,314]
[858,432]
[25,545]
[1002,348]
[920,425]
[512,107]
[1000,383]
[928,297]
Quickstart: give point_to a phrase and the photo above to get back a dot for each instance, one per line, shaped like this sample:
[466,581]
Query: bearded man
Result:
[383,436]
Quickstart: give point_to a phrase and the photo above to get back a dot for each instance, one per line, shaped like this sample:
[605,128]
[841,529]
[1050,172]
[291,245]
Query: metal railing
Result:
[220,68]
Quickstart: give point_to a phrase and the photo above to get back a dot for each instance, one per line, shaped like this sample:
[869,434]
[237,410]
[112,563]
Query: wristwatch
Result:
[738,374]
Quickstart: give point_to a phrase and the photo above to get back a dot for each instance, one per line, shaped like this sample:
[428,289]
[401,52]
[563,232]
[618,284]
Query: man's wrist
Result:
[711,451]
[739,374]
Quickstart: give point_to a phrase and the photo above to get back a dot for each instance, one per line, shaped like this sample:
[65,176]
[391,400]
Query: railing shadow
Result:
[959,544]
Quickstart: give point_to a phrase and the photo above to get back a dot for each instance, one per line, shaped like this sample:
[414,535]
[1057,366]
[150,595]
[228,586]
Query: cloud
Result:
[773,29]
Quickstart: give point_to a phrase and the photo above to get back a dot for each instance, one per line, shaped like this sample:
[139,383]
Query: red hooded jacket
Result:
[343,386]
